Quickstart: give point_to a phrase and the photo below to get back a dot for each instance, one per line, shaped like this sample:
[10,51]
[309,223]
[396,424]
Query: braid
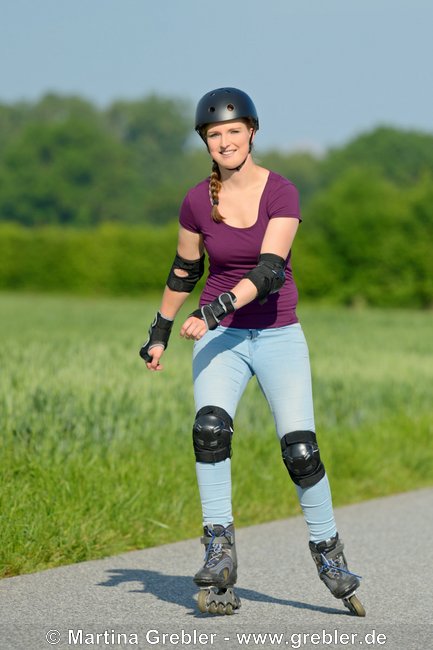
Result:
[214,188]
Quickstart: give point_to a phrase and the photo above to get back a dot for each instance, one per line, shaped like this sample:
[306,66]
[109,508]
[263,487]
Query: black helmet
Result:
[222,105]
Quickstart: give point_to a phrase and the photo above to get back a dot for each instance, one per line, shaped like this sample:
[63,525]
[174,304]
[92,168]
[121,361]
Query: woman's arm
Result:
[278,240]
[189,247]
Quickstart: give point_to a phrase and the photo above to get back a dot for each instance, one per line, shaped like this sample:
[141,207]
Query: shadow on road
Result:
[181,590]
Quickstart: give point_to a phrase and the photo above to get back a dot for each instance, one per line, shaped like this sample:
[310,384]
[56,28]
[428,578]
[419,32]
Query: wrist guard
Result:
[194,269]
[268,276]
[215,311]
[159,333]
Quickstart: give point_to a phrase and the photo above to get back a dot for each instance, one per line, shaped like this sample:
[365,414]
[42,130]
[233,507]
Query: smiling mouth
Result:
[227,153]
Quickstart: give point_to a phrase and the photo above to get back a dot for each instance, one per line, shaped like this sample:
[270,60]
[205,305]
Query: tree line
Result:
[80,183]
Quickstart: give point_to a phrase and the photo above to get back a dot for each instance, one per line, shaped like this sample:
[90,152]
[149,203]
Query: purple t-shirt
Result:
[234,251]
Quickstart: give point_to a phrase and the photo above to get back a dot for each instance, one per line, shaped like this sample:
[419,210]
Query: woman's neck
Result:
[249,174]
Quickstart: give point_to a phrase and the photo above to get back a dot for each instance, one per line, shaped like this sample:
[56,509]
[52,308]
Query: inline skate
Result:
[218,574]
[333,571]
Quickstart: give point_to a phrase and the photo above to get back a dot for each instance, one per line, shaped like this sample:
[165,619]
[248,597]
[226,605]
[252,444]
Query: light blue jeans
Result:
[224,361]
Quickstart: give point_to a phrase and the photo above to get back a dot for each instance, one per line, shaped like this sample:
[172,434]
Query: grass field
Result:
[96,453]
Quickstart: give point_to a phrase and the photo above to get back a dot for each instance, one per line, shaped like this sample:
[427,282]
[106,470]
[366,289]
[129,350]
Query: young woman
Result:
[245,217]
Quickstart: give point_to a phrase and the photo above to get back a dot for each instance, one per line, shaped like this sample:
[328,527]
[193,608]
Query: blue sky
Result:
[319,71]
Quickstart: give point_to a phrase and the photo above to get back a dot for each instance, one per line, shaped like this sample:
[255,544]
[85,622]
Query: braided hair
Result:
[214,188]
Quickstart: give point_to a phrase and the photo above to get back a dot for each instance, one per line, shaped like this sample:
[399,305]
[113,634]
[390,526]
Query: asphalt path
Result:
[134,599]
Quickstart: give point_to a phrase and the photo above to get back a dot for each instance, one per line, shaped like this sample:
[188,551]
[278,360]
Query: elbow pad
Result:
[268,276]
[194,268]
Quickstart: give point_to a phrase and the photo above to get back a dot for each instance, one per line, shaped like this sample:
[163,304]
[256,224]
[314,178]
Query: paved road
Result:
[145,594]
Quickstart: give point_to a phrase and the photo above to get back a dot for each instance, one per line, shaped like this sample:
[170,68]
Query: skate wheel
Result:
[201,600]
[229,609]
[354,605]
[212,609]
[221,608]
[217,601]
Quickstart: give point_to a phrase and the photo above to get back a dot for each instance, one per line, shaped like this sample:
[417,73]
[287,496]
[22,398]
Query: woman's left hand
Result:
[193,328]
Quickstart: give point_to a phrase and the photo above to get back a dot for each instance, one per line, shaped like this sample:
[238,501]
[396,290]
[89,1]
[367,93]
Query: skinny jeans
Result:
[224,360]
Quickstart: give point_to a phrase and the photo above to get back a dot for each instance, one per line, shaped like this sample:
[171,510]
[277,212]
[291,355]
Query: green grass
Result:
[96,452]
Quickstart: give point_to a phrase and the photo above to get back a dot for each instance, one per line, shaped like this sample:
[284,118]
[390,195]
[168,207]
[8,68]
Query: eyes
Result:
[215,134]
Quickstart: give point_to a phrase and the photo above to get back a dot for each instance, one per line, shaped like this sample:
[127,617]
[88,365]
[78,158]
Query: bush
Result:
[110,259]
[364,240]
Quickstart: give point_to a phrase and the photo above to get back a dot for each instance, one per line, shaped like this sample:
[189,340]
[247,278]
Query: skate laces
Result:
[213,551]
[213,554]
[332,567]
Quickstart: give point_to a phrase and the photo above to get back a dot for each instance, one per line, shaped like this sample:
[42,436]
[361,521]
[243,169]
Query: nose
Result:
[224,140]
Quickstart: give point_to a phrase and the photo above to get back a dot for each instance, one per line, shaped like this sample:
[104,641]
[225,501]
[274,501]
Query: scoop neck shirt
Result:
[233,251]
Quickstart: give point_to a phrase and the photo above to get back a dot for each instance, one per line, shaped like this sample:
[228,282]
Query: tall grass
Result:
[96,453]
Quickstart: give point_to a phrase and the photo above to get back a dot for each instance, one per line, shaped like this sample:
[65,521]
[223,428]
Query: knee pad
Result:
[212,435]
[302,458]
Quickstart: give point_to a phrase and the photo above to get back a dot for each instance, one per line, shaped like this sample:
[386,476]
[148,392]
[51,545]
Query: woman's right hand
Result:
[156,353]
[159,332]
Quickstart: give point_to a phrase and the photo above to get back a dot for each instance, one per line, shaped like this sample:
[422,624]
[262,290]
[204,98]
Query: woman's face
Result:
[229,142]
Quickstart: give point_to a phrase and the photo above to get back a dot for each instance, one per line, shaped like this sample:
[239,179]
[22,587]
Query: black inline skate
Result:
[219,571]
[332,568]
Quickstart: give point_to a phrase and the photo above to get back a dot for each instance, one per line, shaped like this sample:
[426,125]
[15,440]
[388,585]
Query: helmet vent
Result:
[211,109]
[230,107]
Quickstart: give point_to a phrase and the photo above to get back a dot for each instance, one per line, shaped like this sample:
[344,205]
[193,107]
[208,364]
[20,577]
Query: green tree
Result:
[364,232]
[156,130]
[419,238]
[51,108]
[401,156]
[301,167]
[69,173]
[12,119]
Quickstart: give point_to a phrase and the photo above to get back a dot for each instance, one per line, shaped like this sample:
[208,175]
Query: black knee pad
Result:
[302,458]
[212,435]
